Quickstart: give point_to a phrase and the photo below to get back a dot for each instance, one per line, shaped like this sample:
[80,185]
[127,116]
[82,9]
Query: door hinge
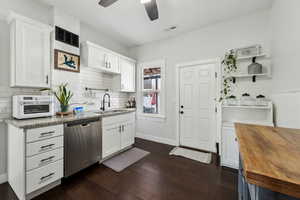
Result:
[216,75]
[216,110]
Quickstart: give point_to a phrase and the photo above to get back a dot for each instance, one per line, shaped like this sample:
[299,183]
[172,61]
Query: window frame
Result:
[141,91]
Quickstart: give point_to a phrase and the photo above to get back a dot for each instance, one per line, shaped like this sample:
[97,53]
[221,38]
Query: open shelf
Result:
[253,76]
[248,75]
[252,56]
[247,107]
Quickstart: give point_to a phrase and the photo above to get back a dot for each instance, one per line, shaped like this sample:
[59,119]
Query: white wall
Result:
[90,78]
[285,17]
[206,43]
[89,33]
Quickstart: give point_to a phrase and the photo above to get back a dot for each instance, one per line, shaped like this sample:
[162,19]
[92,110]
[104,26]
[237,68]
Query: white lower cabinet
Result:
[111,139]
[230,150]
[118,133]
[128,133]
[35,159]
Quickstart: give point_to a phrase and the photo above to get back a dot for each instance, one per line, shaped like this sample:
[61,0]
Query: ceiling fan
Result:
[150,7]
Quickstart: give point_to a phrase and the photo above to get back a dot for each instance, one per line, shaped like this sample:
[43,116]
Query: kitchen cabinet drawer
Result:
[44,146]
[44,159]
[119,119]
[43,176]
[36,134]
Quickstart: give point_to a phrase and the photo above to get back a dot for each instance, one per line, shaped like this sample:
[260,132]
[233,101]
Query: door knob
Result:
[181,112]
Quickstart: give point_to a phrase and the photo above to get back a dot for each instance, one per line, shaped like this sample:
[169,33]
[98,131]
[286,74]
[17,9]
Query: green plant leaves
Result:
[229,66]
[62,94]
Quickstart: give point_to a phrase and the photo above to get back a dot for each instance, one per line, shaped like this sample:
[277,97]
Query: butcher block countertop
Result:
[271,157]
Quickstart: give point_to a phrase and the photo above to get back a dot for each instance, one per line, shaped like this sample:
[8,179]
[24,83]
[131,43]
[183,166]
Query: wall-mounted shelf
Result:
[247,107]
[253,76]
[252,56]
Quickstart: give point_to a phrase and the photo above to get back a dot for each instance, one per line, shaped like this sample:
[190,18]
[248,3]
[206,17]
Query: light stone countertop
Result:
[55,120]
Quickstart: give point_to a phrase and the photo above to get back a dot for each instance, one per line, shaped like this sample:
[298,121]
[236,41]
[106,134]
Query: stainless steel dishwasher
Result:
[82,145]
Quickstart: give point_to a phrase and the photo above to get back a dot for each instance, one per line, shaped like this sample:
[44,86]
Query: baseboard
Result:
[157,139]
[3,178]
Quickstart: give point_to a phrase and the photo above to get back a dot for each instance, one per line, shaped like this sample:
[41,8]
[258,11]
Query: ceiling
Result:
[127,22]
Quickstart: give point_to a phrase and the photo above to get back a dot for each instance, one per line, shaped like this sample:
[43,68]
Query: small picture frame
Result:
[249,51]
[66,61]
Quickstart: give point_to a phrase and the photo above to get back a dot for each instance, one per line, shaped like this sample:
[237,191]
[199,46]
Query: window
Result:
[152,94]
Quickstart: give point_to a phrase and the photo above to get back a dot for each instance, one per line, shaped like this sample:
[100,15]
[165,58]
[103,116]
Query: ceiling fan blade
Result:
[106,3]
[152,10]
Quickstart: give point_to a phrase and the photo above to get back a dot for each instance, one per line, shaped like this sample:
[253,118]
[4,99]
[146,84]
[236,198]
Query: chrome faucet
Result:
[103,101]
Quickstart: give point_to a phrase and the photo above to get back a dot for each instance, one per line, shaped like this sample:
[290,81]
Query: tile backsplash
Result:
[90,78]
[77,82]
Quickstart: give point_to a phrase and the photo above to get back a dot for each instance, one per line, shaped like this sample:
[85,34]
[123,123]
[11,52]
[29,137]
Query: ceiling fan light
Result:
[145,1]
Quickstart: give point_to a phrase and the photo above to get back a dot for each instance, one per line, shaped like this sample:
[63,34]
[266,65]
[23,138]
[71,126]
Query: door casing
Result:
[217,130]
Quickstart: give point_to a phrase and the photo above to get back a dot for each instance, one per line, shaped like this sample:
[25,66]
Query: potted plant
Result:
[63,95]
[229,67]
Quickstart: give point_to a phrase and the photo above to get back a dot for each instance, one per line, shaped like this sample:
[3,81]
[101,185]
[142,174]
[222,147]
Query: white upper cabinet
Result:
[30,52]
[127,68]
[112,63]
[97,57]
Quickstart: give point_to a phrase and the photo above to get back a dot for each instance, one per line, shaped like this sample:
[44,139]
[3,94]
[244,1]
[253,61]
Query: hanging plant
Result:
[229,67]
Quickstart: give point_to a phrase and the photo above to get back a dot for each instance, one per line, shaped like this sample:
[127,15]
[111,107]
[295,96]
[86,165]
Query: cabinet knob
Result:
[181,112]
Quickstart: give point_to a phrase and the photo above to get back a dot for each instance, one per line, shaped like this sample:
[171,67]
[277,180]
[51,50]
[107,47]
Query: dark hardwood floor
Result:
[157,177]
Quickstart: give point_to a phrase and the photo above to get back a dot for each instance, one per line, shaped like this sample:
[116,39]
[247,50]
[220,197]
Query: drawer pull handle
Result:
[45,178]
[47,134]
[47,159]
[47,147]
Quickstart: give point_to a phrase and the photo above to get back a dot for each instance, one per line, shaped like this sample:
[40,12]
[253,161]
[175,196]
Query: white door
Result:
[127,75]
[197,106]
[32,55]
[111,139]
[127,135]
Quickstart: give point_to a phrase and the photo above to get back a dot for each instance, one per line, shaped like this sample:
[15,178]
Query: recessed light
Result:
[145,1]
[171,28]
